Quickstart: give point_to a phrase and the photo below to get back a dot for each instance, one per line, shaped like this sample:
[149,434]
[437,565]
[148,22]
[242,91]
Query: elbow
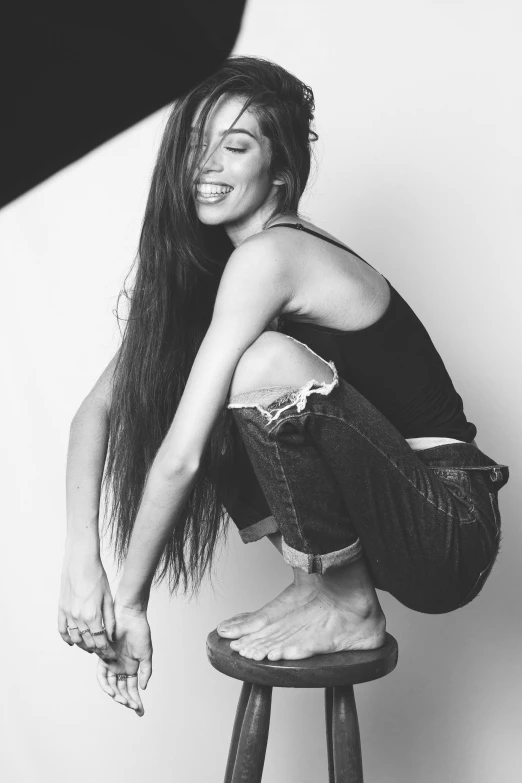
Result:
[169,466]
[91,406]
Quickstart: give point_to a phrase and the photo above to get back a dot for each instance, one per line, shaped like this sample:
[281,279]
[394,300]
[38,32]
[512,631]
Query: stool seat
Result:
[335,672]
[319,671]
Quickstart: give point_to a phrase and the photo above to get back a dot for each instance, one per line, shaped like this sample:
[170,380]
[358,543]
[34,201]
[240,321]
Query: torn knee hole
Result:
[272,401]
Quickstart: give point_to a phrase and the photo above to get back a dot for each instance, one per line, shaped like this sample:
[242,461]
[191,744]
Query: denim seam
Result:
[487,568]
[296,517]
[496,516]
[338,418]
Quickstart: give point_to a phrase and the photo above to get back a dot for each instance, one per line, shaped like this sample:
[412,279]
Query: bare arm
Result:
[88,439]
[85,595]
[254,289]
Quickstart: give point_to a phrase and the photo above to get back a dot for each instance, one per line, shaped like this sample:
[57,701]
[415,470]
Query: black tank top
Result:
[394,364]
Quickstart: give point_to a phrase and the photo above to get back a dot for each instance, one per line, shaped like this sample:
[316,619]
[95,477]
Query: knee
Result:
[275,360]
[257,362]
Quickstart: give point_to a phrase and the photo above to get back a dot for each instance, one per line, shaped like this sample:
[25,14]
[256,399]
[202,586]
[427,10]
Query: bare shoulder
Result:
[264,247]
[255,287]
[333,287]
[261,260]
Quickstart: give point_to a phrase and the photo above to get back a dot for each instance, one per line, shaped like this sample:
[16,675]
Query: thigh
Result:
[418,529]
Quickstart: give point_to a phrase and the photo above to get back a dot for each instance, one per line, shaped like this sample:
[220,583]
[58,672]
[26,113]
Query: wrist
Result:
[82,546]
[132,602]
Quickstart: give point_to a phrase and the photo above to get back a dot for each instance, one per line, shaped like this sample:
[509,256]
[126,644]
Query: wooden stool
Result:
[336,673]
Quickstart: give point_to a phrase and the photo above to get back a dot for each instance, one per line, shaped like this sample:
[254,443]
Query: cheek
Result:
[254,175]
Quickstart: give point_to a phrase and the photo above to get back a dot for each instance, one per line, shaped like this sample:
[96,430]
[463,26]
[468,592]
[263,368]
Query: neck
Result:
[254,224]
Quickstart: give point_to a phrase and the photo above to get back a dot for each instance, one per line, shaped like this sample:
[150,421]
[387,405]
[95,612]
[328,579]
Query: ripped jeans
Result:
[324,467]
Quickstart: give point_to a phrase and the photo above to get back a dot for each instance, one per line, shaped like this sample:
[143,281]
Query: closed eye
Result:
[235,149]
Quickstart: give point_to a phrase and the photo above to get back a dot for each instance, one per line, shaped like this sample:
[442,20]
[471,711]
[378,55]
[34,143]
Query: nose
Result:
[213,161]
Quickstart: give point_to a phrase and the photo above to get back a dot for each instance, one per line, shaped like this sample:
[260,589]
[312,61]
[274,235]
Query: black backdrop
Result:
[74,74]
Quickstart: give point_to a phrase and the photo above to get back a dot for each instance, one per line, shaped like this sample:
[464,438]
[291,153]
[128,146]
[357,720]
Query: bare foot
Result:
[344,614]
[297,594]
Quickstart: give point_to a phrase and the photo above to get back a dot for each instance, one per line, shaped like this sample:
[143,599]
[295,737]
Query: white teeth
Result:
[209,190]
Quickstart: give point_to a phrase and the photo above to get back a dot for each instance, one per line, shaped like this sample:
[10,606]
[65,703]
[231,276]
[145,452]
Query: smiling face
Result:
[233,183]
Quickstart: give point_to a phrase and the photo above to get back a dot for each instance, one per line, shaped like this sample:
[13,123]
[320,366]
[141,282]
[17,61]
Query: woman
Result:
[269,372]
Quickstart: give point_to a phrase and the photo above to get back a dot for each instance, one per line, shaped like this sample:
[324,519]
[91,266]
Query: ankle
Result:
[302,579]
[351,581]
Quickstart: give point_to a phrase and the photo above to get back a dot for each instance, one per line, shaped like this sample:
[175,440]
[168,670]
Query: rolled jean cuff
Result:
[318,564]
[262,528]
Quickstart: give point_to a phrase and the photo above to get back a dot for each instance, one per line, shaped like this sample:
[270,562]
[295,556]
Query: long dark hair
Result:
[179,266]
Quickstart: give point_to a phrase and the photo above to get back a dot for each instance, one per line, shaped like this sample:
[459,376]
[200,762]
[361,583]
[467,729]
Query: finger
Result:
[145,672]
[101,676]
[132,689]
[122,685]
[102,647]
[111,679]
[74,632]
[109,620]
[75,626]
[62,627]
[87,639]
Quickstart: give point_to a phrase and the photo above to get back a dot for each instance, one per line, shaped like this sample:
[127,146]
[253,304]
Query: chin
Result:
[211,220]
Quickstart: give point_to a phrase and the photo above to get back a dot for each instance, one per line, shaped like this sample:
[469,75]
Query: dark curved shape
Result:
[76,74]
[319,671]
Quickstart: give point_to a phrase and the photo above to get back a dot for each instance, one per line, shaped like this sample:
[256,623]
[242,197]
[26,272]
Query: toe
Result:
[232,623]
[229,631]
[248,625]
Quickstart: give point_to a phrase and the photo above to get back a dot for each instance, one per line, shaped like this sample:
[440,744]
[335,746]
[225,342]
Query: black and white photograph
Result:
[261,337]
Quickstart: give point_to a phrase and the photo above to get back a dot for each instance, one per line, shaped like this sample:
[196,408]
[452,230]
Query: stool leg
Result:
[346,738]
[328,704]
[236,731]
[251,749]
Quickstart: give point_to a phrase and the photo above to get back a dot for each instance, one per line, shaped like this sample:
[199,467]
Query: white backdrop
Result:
[419,118]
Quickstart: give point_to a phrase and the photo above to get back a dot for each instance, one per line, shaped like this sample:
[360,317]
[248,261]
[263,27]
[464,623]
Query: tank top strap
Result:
[316,234]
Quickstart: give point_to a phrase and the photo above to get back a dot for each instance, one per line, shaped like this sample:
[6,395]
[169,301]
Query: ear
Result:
[278,181]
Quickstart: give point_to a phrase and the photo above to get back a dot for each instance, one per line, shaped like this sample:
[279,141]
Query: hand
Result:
[132,647]
[85,600]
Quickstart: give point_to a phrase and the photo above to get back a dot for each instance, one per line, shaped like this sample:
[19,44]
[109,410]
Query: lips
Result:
[212,193]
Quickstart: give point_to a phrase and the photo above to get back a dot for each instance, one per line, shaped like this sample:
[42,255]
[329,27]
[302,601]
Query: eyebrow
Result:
[234,130]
